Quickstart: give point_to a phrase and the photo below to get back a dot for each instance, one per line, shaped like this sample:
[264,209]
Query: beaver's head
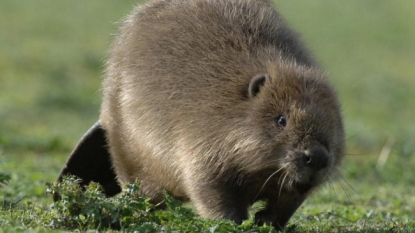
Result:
[298,120]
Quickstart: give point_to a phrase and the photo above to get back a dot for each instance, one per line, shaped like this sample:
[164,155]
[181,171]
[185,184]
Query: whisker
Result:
[282,184]
[356,154]
[278,160]
[266,181]
[346,139]
[344,169]
[281,177]
[331,190]
[348,184]
[331,185]
[354,135]
[345,191]
[292,180]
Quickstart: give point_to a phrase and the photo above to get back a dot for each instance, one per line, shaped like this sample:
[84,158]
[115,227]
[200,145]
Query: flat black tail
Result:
[90,161]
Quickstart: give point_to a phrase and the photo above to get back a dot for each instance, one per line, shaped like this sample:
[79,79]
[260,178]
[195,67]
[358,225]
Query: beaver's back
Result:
[186,53]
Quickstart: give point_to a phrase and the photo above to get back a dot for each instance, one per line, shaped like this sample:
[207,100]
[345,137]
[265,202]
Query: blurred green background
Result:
[52,55]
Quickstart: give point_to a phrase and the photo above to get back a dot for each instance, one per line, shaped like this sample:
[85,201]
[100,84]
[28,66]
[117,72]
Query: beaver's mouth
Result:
[302,188]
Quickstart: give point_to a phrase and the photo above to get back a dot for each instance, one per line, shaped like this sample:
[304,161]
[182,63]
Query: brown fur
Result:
[180,113]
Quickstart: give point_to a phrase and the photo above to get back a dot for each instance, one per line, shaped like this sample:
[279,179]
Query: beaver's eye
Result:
[282,121]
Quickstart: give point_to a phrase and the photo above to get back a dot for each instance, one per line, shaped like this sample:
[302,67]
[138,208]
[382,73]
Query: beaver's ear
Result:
[256,83]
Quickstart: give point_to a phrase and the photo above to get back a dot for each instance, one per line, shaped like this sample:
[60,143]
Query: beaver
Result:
[216,102]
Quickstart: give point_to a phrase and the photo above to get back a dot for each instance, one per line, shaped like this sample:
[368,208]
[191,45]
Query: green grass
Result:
[51,61]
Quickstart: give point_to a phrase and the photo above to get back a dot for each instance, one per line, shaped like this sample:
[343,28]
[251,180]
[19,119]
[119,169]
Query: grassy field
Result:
[51,60]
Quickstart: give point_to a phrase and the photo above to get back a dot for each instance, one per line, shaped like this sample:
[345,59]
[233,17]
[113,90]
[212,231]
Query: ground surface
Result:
[51,59]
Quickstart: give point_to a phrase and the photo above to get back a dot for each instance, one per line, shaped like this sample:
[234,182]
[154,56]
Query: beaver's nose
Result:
[316,159]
